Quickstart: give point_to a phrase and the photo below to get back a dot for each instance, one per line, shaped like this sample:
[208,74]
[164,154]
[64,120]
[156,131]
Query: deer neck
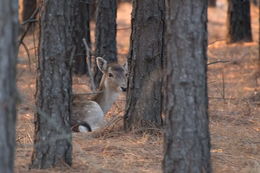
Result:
[106,97]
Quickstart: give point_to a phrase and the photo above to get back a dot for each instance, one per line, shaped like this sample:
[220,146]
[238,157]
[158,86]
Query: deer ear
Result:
[102,64]
[125,66]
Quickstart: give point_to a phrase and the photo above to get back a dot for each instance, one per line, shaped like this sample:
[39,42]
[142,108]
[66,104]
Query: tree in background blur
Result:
[238,21]
[8,93]
[81,29]
[105,33]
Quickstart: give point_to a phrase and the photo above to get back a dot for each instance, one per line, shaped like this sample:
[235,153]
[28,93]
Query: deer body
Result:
[92,112]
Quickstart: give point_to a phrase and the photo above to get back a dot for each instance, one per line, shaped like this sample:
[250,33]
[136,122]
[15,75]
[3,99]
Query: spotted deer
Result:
[89,115]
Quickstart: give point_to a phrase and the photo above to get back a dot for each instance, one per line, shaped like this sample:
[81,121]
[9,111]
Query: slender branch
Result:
[29,25]
[124,28]
[36,56]
[89,66]
[223,85]
[29,21]
[213,42]
[90,93]
[216,62]
[221,98]
[72,55]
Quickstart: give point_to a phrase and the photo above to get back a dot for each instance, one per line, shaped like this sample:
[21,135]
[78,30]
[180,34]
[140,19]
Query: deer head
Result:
[114,75]
[114,81]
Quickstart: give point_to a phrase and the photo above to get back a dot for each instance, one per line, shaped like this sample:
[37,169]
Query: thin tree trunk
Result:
[8,55]
[143,106]
[187,139]
[105,33]
[80,30]
[238,21]
[52,143]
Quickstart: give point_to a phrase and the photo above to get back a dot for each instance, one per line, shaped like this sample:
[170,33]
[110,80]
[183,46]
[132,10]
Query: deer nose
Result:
[123,89]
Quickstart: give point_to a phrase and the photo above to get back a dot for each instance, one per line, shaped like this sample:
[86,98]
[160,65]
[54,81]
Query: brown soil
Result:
[234,108]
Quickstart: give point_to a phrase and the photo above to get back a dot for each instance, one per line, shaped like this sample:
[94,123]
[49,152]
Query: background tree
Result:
[8,54]
[212,3]
[238,21]
[187,140]
[145,64]
[81,30]
[52,143]
[105,33]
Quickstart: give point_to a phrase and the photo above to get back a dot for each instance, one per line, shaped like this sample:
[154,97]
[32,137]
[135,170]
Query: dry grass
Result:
[234,108]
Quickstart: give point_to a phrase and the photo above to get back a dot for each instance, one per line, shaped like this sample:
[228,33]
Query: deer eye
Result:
[110,75]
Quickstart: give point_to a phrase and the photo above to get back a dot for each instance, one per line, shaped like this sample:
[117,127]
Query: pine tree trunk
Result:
[145,64]
[8,55]
[187,139]
[105,33]
[212,3]
[28,7]
[238,21]
[80,30]
[52,144]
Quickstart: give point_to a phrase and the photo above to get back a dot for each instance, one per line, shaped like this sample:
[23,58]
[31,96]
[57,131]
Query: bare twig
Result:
[124,28]
[213,42]
[90,93]
[35,47]
[223,85]
[221,98]
[29,25]
[89,66]
[72,56]
[28,54]
[29,136]
[30,21]
[216,62]
[25,32]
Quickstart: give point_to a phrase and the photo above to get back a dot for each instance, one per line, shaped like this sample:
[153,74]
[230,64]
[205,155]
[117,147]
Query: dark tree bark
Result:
[119,1]
[92,10]
[256,2]
[212,3]
[143,106]
[80,30]
[238,21]
[187,139]
[52,143]
[105,33]
[8,54]
[28,7]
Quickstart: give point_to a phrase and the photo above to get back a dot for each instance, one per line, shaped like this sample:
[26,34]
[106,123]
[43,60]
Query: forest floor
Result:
[234,110]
